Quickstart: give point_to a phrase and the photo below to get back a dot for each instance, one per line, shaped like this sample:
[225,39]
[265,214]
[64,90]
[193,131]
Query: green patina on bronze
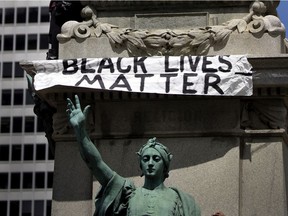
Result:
[118,195]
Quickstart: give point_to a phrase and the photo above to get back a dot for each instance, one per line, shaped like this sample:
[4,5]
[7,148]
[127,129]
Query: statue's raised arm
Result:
[89,152]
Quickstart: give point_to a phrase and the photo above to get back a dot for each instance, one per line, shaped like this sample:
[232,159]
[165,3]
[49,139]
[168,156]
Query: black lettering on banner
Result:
[121,70]
[182,63]
[205,64]
[103,65]
[186,84]
[69,64]
[142,77]
[96,78]
[83,67]
[121,78]
[167,83]
[226,62]
[167,69]
[213,84]
[139,62]
[193,65]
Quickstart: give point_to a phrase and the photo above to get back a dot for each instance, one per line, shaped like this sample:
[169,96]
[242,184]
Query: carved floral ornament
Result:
[172,42]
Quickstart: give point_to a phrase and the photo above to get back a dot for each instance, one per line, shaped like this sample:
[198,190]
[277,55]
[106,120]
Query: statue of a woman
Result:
[119,196]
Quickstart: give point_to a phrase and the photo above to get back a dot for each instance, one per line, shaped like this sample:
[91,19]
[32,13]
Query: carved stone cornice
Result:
[196,41]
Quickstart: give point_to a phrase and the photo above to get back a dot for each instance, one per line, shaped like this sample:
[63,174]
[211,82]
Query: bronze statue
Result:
[119,196]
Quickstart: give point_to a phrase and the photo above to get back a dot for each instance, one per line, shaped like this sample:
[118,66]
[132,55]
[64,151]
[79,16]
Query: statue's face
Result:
[152,163]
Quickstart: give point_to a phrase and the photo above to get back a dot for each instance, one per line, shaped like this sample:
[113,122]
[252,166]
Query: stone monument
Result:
[230,152]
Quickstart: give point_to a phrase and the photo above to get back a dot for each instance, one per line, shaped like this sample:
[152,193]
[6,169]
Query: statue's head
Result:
[159,150]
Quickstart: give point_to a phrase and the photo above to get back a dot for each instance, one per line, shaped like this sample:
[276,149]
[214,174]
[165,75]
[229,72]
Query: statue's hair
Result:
[163,150]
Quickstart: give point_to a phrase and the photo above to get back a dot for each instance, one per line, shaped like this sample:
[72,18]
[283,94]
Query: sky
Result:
[283,13]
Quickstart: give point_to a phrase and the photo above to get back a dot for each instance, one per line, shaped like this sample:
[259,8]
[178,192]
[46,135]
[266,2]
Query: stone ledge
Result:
[238,133]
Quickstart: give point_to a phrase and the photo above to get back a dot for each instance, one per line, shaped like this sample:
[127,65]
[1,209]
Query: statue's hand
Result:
[77,118]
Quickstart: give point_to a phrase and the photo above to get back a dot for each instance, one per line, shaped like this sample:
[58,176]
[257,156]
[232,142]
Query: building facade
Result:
[26,165]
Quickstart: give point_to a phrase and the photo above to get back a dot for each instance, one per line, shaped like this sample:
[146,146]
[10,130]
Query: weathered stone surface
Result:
[262,183]
[238,44]
[72,182]
[165,117]
[171,20]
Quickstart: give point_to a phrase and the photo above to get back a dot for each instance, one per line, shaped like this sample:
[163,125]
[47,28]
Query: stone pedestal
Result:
[224,167]
[72,186]
[262,183]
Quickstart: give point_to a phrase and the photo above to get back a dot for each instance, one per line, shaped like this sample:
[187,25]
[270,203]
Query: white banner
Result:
[186,75]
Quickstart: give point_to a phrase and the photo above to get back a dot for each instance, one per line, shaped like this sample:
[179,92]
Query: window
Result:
[27,180]
[15,181]
[18,71]
[9,15]
[45,17]
[3,208]
[4,152]
[5,124]
[17,124]
[21,15]
[38,207]
[0,42]
[8,42]
[32,42]
[1,12]
[33,14]
[16,152]
[14,207]
[29,124]
[48,207]
[28,152]
[6,97]
[7,70]
[26,208]
[43,41]
[40,152]
[18,97]
[50,155]
[39,180]
[40,126]
[20,42]
[3,180]
[50,180]
[29,99]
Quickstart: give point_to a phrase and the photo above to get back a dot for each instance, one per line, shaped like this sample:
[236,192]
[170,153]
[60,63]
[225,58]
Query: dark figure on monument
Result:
[61,12]
[119,196]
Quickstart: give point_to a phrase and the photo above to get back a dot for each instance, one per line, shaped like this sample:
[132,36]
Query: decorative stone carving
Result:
[171,42]
[271,24]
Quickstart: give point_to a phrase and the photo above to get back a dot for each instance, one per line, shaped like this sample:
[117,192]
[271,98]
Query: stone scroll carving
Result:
[172,42]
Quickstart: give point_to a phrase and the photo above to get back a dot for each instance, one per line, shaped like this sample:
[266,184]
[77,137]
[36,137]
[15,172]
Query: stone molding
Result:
[196,41]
